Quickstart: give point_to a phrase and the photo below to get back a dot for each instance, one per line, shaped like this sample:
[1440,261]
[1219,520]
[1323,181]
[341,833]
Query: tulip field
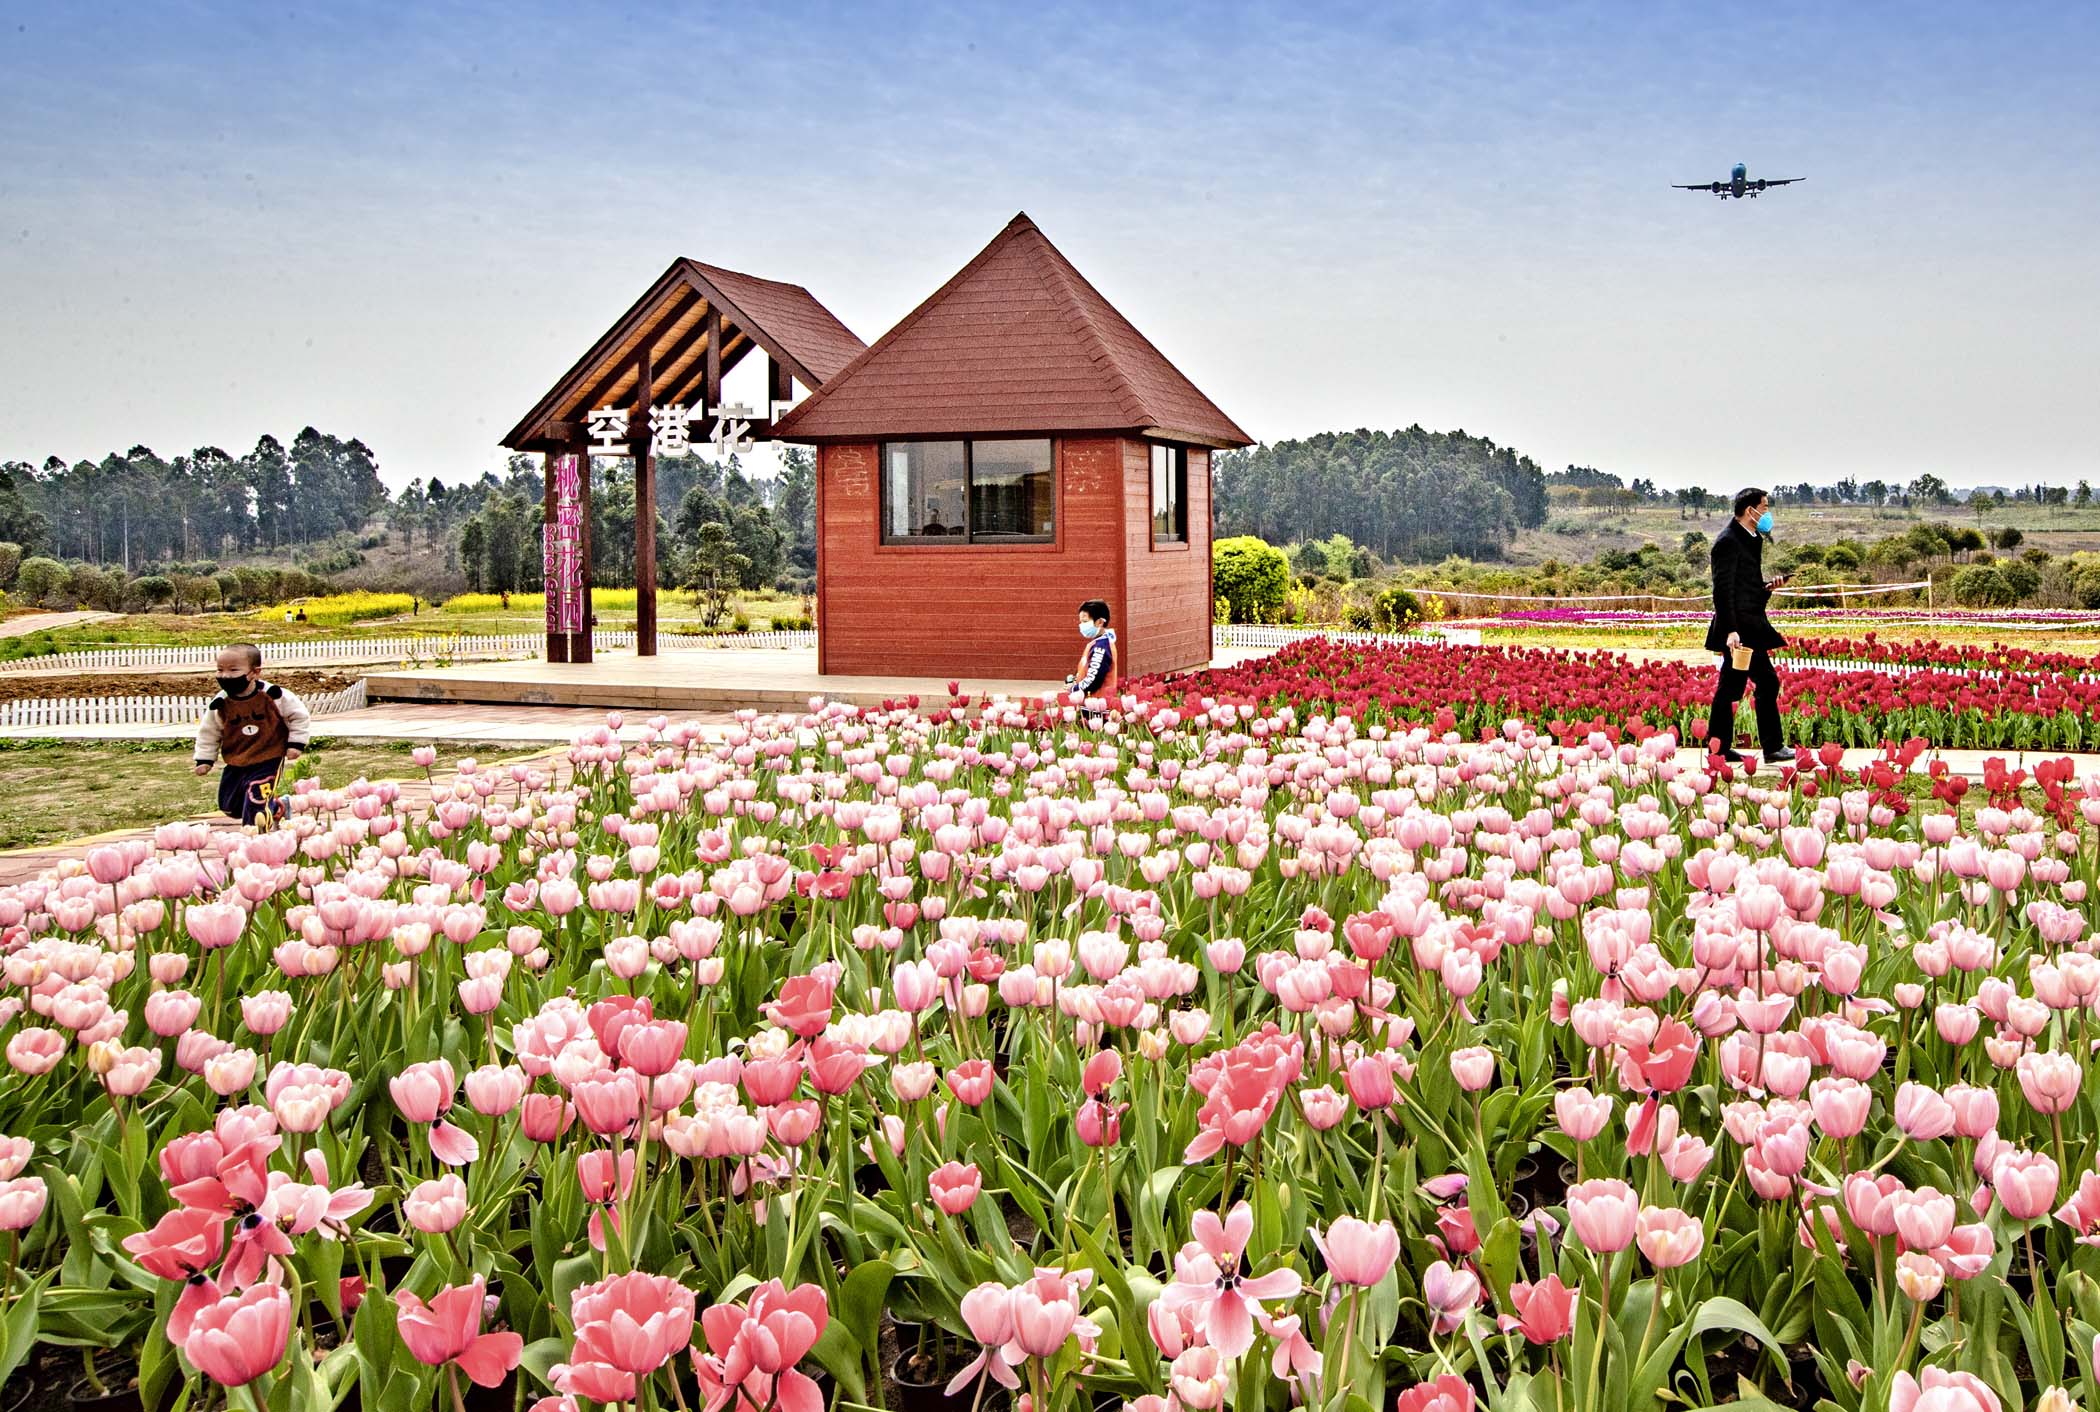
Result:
[1271,1045]
[1954,697]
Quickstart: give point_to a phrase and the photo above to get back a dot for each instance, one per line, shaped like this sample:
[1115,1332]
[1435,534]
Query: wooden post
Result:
[780,385]
[580,640]
[557,642]
[712,388]
[644,514]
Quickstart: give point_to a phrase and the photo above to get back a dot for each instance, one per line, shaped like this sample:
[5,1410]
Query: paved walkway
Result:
[41,622]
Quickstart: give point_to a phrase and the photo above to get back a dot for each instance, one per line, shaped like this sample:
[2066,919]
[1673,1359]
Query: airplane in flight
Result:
[1738,184]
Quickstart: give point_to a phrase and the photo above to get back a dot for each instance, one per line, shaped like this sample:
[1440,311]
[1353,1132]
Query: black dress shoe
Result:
[1783,755]
[1733,757]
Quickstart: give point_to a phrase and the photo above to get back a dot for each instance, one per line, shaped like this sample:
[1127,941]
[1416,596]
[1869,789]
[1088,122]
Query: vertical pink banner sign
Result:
[562,550]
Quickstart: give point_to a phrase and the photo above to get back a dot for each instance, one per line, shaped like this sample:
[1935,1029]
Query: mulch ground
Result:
[173,682]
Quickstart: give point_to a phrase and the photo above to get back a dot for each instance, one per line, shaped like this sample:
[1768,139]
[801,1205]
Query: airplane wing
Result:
[1780,181]
[1693,185]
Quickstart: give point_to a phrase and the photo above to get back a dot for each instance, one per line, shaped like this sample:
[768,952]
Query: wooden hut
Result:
[1010,449]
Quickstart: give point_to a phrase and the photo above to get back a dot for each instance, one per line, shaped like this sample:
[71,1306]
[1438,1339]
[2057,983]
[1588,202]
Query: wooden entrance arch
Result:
[667,355]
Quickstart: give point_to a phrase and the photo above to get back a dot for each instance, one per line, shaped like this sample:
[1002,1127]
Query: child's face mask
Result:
[234,686]
[1089,628]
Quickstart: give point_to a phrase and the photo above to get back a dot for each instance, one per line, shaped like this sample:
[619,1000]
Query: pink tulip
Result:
[35,1050]
[1045,1316]
[988,1311]
[634,1323]
[1669,1237]
[544,1117]
[448,1330]
[422,1091]
[1358,1253]
[753,1349]
[266,1012]
[1581,1114]
[1323,1107]
[971,1081]
[954,1186]
[2026,1184]
[1937,1390]
[494,1090]
[1923,1217]
[1210,1287]
[1922,1114]
[214,924]
[1447,1393]
[608,1104]
[804,1005]
[1602,1212]
[1449,1293]
[651,1047]
[1840,1106]
[240,1338]
[21,1202]
[1474,1068]
[129,1071]
[1975,1110]
[2050,1081]
[437,1206]
[1370,1083]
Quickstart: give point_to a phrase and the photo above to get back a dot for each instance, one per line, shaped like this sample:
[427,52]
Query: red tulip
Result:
[1544,1312]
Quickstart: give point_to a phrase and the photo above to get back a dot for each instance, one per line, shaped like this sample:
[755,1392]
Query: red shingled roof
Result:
[791,314]
[1018,341]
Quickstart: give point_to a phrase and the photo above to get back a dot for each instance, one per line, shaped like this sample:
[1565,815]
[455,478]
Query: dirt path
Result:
[44,622]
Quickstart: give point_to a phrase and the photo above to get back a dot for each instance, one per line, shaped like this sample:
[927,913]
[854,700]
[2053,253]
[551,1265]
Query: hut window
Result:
[924,491]
[1170,494]
[974,492]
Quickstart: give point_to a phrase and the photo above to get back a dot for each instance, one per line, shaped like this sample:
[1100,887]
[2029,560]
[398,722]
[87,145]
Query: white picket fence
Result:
[146,710]
[391,649]
[1262,637]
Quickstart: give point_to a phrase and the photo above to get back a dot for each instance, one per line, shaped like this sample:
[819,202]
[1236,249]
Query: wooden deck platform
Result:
[710,679]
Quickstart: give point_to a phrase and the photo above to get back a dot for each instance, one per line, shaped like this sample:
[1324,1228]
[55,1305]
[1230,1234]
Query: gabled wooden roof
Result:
[671,320]
[1018,341]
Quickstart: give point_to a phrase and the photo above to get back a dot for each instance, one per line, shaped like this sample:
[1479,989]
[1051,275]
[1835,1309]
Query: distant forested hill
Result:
[1411,495]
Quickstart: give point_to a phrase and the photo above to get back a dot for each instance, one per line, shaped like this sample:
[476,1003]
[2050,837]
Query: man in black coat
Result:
[1741,592]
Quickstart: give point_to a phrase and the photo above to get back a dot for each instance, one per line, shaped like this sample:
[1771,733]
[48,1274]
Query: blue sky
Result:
[403,222]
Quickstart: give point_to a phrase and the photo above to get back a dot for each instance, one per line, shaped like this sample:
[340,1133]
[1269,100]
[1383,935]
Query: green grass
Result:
[64,790]
[675,613]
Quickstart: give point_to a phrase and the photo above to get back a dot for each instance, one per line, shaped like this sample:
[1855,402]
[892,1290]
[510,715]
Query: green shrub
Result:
[10,564]
[1396,609]
[1252,576]
[1984,586]
[40,580]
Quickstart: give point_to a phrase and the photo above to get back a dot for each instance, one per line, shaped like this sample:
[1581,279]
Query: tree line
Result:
[1412,494]
[135,509]
[138,517]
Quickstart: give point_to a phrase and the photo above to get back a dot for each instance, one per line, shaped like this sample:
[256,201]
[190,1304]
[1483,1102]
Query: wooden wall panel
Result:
[966,611]
[1168,620]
